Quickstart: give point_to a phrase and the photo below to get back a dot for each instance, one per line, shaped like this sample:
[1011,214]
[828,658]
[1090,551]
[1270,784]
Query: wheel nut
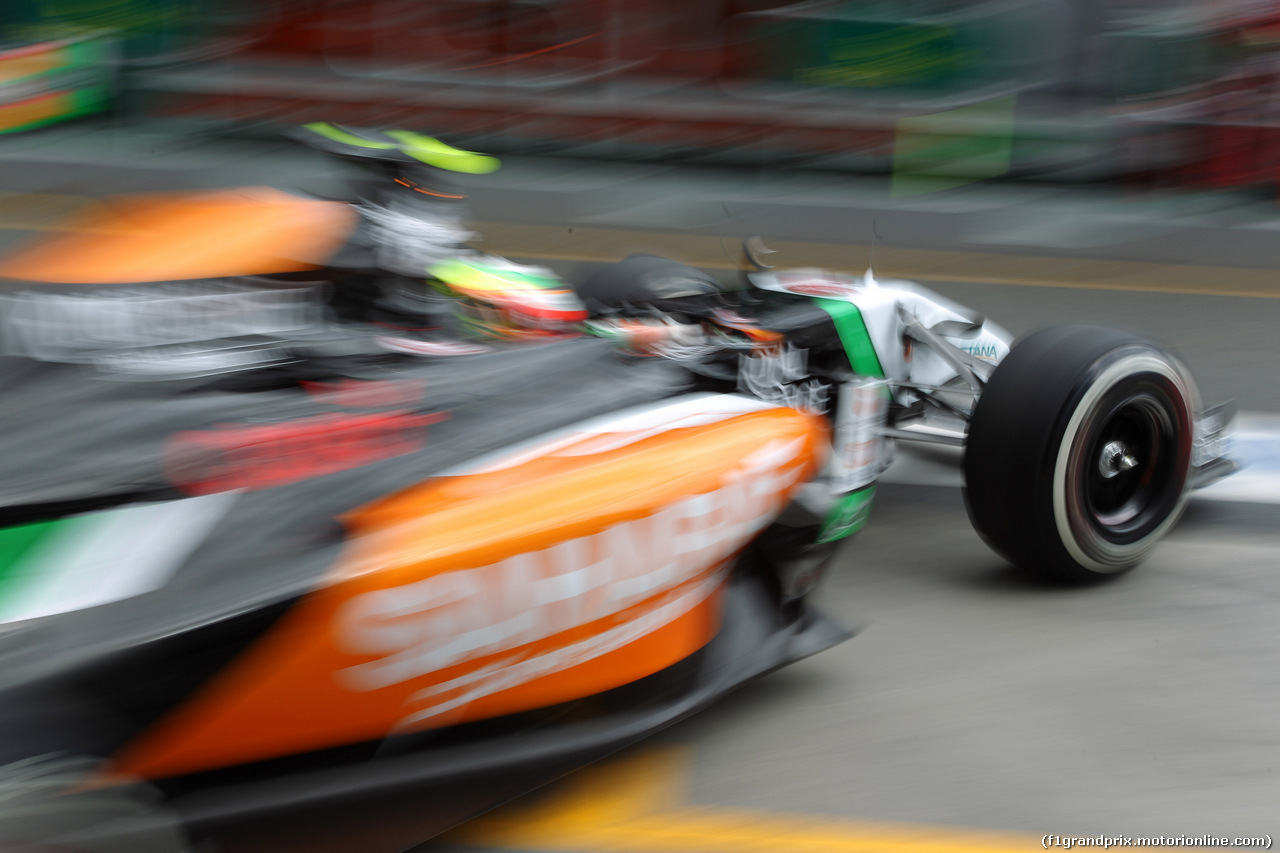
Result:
[1115,459]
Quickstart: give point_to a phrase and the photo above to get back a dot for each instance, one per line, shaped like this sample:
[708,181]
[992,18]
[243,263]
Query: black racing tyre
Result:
[643,281]
[1078,454]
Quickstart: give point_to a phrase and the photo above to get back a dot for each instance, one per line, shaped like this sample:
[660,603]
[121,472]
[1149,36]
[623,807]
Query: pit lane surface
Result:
[975,698]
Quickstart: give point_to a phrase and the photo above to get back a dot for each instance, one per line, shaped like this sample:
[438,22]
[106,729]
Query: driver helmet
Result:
[497,298]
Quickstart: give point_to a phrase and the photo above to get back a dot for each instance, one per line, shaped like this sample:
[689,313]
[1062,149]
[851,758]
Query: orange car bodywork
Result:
[577,563]
[177,237]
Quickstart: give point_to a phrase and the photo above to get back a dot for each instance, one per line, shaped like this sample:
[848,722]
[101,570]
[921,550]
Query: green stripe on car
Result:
[16,543]
[852,330]
[847,515]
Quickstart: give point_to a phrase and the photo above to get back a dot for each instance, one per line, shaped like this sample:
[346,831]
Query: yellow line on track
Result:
[60,212]
[636,805]
[601,244]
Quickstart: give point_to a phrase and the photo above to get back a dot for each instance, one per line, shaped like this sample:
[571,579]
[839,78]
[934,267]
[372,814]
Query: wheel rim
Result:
[1130,483]
[1111,510]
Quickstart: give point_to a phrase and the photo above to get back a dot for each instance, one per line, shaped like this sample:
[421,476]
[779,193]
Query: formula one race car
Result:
[305,502]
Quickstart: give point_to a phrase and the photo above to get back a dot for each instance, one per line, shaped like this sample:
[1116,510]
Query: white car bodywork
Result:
[894,313]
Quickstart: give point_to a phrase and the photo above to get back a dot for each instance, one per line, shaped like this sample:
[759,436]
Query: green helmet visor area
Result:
[412,146]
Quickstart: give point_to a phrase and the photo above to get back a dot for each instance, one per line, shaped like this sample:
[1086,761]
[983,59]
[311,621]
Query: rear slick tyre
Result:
[1079,451]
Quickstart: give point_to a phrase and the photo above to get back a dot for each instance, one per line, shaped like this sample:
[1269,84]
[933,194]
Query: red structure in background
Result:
[639,74]
[675,77]
[1237,116]
[529,38]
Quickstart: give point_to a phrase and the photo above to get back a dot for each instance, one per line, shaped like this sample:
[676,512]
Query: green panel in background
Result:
[51,81]
[1157,59]
[910,49]
[855,49]
[147,31]
[872,54]
[952,148]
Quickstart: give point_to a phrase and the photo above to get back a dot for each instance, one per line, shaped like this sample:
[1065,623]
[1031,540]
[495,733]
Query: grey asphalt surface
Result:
[974,697]
[978,698]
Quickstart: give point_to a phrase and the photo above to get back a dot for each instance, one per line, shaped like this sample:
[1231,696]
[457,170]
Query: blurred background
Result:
[1179,92]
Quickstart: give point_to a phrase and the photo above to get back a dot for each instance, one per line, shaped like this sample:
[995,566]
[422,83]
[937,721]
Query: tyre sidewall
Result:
[1134,368]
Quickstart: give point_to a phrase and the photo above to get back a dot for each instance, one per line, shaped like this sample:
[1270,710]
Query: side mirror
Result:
[752,249]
